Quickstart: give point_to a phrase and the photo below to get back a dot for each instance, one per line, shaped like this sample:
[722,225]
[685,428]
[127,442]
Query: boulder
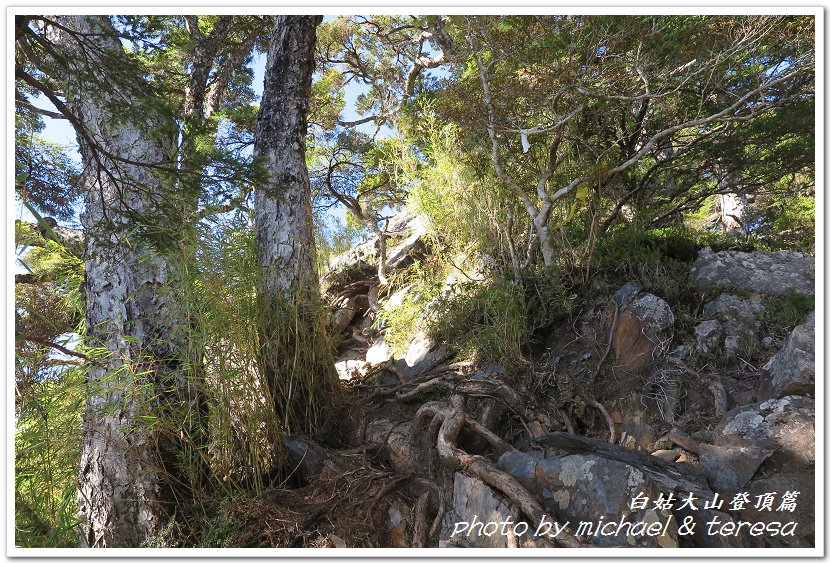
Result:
[729,468]
[624,294]
[785,427]
[668,476]
[740,318]
[306,460]
[638,434]
[639,333]
[360,261]
[346,310]
[587,487]
[767,273]
[396,299]
[402,254]
[708,336]
[378,352]
[422,355]
[804,513]
[474,501]
[353,265]
[792,371]
[599,479]
[350,369]
[395,440]
[350,365]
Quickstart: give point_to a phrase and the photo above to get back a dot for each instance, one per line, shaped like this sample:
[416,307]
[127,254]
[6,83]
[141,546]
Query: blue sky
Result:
[61,132]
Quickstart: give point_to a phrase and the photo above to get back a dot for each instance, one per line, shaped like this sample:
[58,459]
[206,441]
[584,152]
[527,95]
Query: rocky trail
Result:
[617,406]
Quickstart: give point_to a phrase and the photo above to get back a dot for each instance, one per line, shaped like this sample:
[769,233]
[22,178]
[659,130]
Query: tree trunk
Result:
[293,355]
[130,317]
[733,205]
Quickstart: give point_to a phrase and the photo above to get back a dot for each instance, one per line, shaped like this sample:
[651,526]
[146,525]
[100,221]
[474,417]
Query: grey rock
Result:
[359,262]
[792,371]
[652,308]
[343,315]
[701,517]
[804,514]
[626,292]
[729,468]
[422,355]
[378,352]
[741,319]
[350,369]
[708,335]
[768,273]
[488,372]
[671,476]
[767,341]
[639,433]
[350,365]
[680,352]
[474,499]
[785,427]
[396,443]
[586,487]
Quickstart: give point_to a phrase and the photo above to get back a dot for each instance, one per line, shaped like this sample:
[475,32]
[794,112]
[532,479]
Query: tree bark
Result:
[130,316]
[733,205]
[292,355]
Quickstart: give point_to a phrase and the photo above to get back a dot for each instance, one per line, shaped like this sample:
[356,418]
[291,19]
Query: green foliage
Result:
[657,258]
[787,220]
[46,176]
[782,313]
[419,285]
[221,529]
[490,318]
[220,300]
[47,446]
[488,322]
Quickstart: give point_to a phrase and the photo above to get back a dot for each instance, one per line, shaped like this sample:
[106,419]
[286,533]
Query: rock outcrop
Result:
[740,319]
[792,371]
[767,273]
[785,427]
[643,319]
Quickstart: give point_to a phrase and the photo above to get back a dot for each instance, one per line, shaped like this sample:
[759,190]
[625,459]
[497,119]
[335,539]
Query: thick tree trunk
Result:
[733,204]
[130,315]
[733,213]
[292,356]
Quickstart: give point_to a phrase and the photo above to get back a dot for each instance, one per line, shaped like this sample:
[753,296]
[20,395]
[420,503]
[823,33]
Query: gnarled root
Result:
[483,469]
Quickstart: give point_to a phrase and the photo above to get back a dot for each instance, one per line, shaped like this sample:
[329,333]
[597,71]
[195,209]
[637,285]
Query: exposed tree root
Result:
[610,421]
[481,468]
[435,413]
[420,533]
[422,389]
